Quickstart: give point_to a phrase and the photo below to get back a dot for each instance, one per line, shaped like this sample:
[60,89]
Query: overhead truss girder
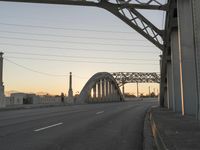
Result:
[137,21]
[126,10]
[151,4]
[136,77]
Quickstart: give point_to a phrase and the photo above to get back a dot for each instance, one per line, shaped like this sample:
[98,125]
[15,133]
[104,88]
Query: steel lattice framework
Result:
[136,77]
[126,10]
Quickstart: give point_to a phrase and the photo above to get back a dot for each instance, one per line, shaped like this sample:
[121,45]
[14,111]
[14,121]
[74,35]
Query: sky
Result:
[43,43]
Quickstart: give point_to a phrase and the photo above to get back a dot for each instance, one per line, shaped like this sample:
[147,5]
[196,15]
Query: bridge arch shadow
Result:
[101,87]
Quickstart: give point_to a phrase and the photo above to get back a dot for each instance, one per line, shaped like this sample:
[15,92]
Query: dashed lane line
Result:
[47,127]
[100,112]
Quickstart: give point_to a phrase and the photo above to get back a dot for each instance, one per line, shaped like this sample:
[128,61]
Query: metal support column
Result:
[137,90]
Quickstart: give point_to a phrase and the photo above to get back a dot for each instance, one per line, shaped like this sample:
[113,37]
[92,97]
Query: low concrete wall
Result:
[10,101]
[140,98]
[2,102]
[49,100]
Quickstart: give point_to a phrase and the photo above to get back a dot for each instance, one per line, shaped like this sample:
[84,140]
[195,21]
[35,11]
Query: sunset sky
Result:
[43,43]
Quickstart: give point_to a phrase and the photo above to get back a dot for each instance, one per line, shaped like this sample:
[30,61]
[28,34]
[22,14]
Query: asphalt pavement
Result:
[108,126]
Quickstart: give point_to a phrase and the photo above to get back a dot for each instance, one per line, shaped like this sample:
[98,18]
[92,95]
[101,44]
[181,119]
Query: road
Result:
[108,126]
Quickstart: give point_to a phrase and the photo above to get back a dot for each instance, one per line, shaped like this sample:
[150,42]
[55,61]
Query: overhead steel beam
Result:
[137,21]
[123,9]
[95,3]
[136,77]
[59,2]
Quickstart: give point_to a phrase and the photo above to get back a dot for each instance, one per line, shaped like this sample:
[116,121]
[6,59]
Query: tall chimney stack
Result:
[70,92]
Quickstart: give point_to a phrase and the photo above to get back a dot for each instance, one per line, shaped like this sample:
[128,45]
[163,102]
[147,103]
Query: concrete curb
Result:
[158,140]
[148,141]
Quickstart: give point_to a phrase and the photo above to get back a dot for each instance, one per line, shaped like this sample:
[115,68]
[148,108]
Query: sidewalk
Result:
[174,132]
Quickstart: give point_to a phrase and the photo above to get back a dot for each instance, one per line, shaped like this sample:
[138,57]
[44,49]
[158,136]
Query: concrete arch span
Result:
[101,87]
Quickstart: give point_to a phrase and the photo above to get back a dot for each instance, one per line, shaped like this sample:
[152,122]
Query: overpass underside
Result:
[179,43]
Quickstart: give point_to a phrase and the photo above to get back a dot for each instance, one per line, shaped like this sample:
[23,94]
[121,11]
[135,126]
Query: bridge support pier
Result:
[165,95]
[176,88]
[188,68]
[196,19]
[169,85]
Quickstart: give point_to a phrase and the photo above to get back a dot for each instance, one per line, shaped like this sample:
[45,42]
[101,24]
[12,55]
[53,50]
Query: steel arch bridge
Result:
[104,86]
[178,41]
[101,87]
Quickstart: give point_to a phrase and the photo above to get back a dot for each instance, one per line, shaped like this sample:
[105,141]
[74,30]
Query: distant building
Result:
[23,98]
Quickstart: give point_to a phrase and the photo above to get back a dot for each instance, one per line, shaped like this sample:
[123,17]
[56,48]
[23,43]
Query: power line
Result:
[82,61]
[85,57]
[39,72]
[76,37]
[80,77]
[67,29]
[32,70]
[72,42]
[74,49]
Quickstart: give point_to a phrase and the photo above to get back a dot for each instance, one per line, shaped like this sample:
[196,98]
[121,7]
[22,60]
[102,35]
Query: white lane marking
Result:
[100,112]
[53,125]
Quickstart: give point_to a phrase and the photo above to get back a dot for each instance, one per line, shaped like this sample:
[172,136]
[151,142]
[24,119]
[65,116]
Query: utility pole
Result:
[137,90]
[123,89]
[2,104]
[149,91]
